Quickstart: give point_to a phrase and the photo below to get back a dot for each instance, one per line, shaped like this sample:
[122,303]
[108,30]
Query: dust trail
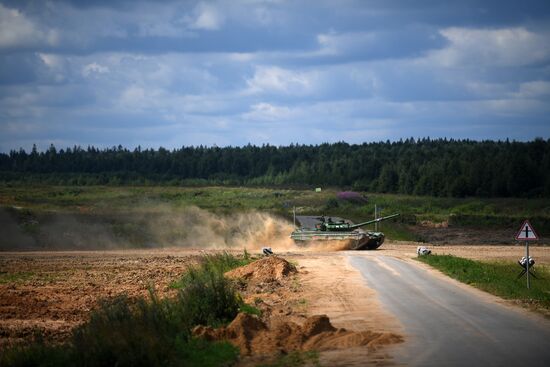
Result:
[153,225]
[333,245]
[67,231]
[12,235]
[195,227]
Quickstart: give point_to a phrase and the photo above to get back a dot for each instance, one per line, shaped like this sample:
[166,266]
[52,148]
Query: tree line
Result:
[436,167]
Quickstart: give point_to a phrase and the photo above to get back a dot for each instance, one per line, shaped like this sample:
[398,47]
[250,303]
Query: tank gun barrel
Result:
[373,221]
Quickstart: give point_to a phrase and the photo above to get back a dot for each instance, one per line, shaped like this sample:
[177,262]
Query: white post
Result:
[527,267]
[294,212]
[375,217]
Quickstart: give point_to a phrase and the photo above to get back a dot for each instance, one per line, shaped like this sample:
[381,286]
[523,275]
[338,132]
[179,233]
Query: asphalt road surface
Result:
[449,325]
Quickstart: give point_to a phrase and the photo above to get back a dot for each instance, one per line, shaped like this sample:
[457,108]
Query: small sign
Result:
[526,232]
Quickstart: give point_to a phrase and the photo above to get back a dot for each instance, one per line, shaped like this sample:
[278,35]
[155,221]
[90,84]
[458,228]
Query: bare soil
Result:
[49,293]
[267,270]
[289,300]
[253,337]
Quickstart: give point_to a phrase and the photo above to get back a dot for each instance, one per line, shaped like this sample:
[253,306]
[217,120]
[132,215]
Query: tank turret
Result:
[343,226]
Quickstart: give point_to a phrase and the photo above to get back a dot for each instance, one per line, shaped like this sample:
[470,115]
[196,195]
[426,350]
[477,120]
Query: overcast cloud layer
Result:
[173,73]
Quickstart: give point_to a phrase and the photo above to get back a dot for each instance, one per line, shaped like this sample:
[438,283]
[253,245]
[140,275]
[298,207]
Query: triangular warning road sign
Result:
[526,232]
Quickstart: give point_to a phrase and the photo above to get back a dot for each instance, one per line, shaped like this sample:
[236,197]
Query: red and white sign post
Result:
[527,233]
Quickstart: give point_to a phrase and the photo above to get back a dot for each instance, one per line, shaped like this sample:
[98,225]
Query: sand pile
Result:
[253,337]
[266,270]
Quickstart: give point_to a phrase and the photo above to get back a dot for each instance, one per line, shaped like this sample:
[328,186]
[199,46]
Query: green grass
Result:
[97,198]
[499,278]
[296,359]
[210,267]
[25,276]
[18,277]
[249,309]
[209,264]
[149,332]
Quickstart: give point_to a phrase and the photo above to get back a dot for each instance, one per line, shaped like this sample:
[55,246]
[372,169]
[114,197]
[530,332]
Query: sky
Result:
[229,73]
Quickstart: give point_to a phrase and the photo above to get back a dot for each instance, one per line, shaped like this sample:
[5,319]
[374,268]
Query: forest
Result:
[434,167]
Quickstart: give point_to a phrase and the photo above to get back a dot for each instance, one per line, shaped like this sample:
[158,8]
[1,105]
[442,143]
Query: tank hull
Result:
[356,240]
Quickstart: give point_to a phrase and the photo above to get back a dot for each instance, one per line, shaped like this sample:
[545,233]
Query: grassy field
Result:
[499,278]
[122,209]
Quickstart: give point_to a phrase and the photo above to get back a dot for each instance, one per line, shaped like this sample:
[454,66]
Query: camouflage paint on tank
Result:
[341,230]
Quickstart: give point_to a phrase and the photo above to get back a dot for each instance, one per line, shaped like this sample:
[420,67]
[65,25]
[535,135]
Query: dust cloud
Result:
[151,225]
[146,226]
[332,245]
[195,227]
[11,234]
[67,231]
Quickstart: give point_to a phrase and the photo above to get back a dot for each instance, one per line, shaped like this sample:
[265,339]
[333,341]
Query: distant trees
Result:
[425,167]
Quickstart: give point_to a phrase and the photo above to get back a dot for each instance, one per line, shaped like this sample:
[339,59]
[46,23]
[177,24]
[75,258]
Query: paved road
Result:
[448,325]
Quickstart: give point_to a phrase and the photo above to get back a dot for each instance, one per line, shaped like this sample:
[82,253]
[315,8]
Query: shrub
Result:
[351,196]
[331,203]
[207,297]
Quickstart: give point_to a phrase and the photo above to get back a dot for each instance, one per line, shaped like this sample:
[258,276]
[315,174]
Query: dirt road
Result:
[449,324]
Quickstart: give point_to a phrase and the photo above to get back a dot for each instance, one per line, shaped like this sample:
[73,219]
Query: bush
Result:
[207,297]
[351,196]
[217,263]
[331,203]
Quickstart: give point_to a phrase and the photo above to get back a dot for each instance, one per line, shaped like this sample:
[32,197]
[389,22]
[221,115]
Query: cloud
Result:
[51,60]
[207,17]
[534,89]
[16,30]
[155,29]
[275,79]
[336,44]
[493,47]
[267,112]
[233,72]
[94,68]
[405,42]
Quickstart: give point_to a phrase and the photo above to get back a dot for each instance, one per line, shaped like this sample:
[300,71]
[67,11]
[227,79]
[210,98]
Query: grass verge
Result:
[149,331]
[498,278]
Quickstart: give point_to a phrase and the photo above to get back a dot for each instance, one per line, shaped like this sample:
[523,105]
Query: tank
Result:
[338,229]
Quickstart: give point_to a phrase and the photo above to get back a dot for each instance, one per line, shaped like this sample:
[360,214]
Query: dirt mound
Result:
[266,270]
[253,337]
[317,324]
